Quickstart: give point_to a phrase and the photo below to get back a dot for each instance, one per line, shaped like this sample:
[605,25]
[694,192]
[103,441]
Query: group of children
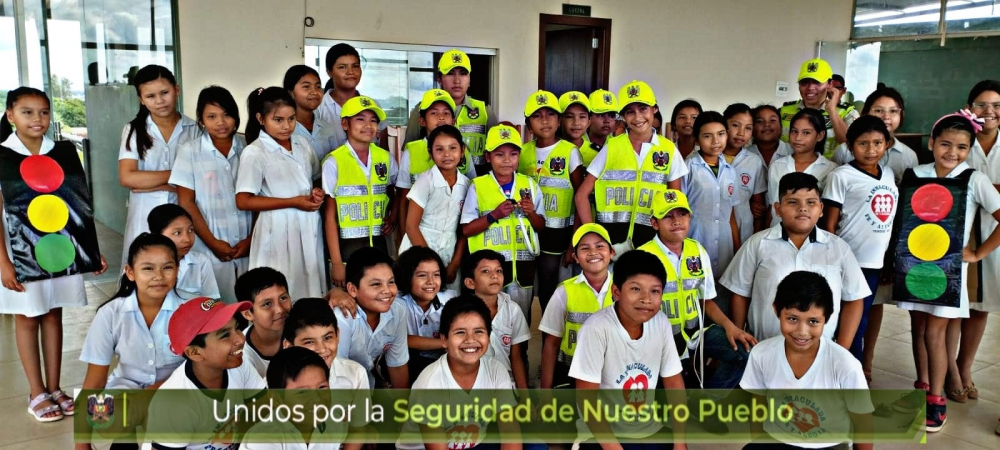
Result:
[719,228]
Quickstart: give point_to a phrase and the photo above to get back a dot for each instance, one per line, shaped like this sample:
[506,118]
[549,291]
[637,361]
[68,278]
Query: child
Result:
[195,277]
[358,179]
[419,274]
[764,260]
[377,335]
[575,121]
[267,290]
[573,301]
[204,332]
[629,172]
[465,336]
[886,104]
[552,163]
[749,169]
[711,186]
[37,304]
[343,66]
[436,202]
[132,326]
[499,214]
[767,141]
[682,123]
[807,139]
[603,113]
[804,359]
[860,202]
[302,83]
[951,140]
[311,324]
[622,348]
[149,147]
[483,274]
[276,179]
[204,175]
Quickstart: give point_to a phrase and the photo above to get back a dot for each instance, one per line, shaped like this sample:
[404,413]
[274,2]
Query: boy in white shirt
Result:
[267,290]
[805,361]
[312,324]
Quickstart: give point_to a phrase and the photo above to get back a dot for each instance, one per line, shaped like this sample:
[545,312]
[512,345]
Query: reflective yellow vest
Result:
[362,201]
[557,193]
[587,150]
[421,161]
[789,109]
[624,192]
[580,304]
[471,121]
[682,291]
[497,237]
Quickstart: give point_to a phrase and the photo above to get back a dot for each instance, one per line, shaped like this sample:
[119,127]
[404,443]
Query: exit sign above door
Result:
[575,10]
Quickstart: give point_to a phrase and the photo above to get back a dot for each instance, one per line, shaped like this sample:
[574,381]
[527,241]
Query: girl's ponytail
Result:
[137,126]
[254,107]
[5,129]
[263,101]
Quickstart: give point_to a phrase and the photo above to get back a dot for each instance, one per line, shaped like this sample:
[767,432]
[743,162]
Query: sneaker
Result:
[937,414]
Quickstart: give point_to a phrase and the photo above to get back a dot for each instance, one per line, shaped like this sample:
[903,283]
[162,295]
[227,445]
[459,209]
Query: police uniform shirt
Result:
[868,206]
[785,165]
[413,124]
[708,286]
[554,318]
[542,154]
[330,172]
[364,346]
[470,210]
[509,328]
[768,256]
[899,157]
[677,167]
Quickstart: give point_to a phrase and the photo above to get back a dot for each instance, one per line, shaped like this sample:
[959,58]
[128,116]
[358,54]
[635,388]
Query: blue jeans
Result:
[732,363]
[857,346]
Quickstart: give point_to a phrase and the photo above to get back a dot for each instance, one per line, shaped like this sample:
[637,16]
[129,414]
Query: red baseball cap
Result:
[199,315]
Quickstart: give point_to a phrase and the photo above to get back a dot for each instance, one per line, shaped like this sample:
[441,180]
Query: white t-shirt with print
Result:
[868,206]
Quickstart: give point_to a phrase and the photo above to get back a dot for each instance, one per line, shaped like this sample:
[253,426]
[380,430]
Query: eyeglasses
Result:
[892,112]
[983,105]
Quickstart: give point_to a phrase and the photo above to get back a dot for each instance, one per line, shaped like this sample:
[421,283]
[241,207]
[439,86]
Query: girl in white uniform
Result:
[809,129]
[277,179]
[149,146]
[195,277]
[419,274]
[36,304]
[749,168]
[302,82]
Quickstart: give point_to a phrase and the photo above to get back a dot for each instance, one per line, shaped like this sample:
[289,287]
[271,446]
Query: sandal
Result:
[957,395]
[68,406]
[39,415]
[972,391]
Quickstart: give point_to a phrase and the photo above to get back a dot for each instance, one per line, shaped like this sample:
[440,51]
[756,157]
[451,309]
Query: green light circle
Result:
[926,281]
[54,253]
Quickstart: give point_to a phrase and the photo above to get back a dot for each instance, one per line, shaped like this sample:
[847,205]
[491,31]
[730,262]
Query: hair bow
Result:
[976,122]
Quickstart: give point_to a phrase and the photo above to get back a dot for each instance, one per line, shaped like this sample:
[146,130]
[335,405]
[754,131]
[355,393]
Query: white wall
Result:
[716,51]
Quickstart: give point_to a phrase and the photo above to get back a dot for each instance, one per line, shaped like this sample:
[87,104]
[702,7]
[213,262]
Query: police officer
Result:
[815,87]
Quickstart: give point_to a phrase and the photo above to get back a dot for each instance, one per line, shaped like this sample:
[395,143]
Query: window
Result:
[397,75]
[875,19]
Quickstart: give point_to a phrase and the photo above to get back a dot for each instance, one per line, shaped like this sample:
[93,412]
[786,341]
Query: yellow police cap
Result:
[355,105]
[502,135]
[668,201]
[436,95]
[574,97]
[453,58]
[635,92]
[590,228]
[602,101]
[816,69]
[539,100]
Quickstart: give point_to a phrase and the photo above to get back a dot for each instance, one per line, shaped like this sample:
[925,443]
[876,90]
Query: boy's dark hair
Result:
[816,121]
[865,124]
[983,86]
[161,216]
[469,263]
[444,130]
[840,78]
[335,53]
[688,103]
[796,181]
[289,362]
[737,108]
[364,259]
[706,118]
[956,123]
[308,312]
[884,92]
[464,304]
[802,290]
[218,96]
[256,280]
[637,262]
[407,265]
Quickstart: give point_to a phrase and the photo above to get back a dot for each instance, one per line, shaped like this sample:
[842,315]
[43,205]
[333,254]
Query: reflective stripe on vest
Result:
[624,191]
[361,201]
[580,304]
[421,161]
[471,122]
[553,179]
[688,291]
[498,236]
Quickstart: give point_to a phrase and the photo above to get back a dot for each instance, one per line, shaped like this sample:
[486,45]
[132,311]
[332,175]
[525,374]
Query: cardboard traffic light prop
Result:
[50,222]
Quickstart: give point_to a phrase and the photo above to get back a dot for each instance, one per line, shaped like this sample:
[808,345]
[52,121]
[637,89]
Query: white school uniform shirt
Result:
[677,167]
[868,206]
[981,194]
[159,156]
[39,297]
[173,416]
[554,317]
[989,283]
[425,323]
[751,179]
[820,404]
[195,277]
[119,330]
[330,172]
[253,357]
[470,210]
[329,111]
[405,178]
[607,355]
[768,256]
[509,328]
[365,346]
[289,240]
[899,157]
[203,169]
[784,149]
[442,207]
[321,137]
[785,165]
[713,198]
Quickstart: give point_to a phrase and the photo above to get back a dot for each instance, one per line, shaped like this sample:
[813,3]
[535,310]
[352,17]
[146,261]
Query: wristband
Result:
[490,220]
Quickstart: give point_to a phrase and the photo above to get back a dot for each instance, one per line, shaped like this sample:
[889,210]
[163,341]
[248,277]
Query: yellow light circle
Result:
[48,213]
[928,242]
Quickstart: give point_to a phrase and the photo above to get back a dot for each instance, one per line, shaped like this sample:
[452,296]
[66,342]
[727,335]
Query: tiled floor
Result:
[970,425]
